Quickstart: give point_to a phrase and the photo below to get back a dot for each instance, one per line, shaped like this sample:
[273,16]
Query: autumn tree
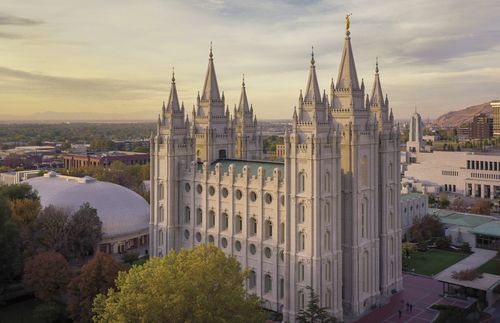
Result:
[47,274]
[24,213]
[18,192]
[481,206]
[85,231]
[314,313]
[426,227]
[52,228]
[95,277]
[443,201]
[197,285]
[10,253]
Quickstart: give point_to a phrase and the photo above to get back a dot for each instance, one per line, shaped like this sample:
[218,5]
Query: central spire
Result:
[211,88]
[377,94]
[243,106]
[348,78]
[173,100]
[312,90]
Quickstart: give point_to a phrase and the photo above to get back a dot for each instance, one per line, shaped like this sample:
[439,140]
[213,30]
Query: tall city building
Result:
[495,107]
[326,217]
[481,127]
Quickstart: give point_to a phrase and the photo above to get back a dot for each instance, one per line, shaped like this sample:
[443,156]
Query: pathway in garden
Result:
[479,257]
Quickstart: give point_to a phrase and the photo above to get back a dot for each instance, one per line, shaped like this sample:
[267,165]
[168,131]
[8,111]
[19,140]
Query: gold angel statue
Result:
[347,21]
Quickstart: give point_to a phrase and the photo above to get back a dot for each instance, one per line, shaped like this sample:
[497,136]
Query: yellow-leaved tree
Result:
[197,285]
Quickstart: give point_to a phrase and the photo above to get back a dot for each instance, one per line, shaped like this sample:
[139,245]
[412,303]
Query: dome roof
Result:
[121,210]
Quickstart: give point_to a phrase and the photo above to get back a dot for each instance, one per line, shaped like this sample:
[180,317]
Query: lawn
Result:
[433,261]
[21,312]
[490,267]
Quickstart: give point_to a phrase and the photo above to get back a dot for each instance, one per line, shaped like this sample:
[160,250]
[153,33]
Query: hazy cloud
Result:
[6,19]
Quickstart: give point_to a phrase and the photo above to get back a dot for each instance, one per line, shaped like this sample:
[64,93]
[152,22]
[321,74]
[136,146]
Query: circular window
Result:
[268,198]
[224,242]
[253,196]
[210,239]
[186,234]
[187,187]
[237,245]
[283,200]
[253,249]
[282,255]
[268,252]
[199,188]
[224,192]
[211,190]
[239,194]
[198,236]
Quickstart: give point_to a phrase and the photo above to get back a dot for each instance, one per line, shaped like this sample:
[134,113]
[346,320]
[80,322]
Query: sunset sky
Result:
[116,56]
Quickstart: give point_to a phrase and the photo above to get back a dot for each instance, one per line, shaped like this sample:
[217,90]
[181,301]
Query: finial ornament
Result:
[211,55]
[173,74]
[347,22]
[376,64]
[243,83]
[312,55]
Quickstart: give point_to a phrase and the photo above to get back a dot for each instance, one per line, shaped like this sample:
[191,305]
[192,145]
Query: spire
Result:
[210,89]
[377,94]
[348,77]
[243,106]
[312,90]
[173,100]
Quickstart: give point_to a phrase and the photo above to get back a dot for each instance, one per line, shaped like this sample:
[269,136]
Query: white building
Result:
[327,217]
[124,214]
[413,206]
[10,178]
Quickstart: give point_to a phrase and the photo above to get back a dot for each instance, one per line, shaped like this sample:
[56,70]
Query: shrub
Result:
[465,248]
[130,257]
[466,274]
[443,242]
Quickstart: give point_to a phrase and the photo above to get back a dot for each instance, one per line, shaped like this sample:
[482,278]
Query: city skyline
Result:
[117,57]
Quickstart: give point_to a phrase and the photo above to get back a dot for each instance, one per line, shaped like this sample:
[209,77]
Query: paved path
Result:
[479,257]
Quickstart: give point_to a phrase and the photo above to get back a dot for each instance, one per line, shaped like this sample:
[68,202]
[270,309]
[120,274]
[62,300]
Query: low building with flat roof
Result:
[105,159]
[413,205]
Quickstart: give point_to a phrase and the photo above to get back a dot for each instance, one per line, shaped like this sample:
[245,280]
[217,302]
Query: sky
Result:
[115,57]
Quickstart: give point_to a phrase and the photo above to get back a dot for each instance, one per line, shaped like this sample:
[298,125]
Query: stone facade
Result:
[327,217]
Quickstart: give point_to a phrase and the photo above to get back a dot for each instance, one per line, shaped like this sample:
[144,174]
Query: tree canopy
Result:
[197,285]
[314,313]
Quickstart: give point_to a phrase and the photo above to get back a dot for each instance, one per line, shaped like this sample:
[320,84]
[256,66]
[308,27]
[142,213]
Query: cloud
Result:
[5,35]
[6,19]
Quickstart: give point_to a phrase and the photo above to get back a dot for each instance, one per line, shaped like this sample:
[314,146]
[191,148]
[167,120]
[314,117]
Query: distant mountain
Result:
[456,118]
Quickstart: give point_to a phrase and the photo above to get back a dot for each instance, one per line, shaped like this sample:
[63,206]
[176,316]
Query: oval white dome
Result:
[121,210]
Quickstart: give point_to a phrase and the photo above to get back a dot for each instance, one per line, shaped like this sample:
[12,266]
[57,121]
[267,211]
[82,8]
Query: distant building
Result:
[481,127]
[10,178]
[495,107]
[124,214]
[463,133]
[81,160]
[415,141]
[280,151]
[413,205]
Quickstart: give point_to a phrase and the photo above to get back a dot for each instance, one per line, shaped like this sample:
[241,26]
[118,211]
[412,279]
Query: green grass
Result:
[433,261]
[21,312]
[490,267]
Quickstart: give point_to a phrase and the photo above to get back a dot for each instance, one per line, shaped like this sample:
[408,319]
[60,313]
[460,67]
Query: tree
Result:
[85,231]
[481,206]
[95,277]
[18,191]
[443,201]
[426,227]
[314,313]
[24,213]
[47,274]
[10,254]
[197,285]
[52,229]
[458,204]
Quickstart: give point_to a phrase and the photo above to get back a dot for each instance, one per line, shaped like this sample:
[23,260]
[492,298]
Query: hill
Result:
[456,118]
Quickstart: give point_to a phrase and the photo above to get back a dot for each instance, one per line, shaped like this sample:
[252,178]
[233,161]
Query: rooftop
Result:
[491,229]
[411,196]
[253,166]
[461,219]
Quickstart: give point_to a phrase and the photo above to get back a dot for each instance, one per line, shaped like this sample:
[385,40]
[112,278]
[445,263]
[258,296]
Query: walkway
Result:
[479,257]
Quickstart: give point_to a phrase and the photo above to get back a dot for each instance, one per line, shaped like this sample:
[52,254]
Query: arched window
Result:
[328,298]
[364,218]
[301,213]
[301,300]
[199,216]
[301,241]
[364,171]
[327,241]
[160,214]
[238,224]
[187,215]
[269,229]
[282,288]
[160,237]
[211,219]
[327,181]
[328,271]
[327,213]
[391,246]
[301,182]
[391,171]
[300,271]
[252,279]
[391,197]
[253,227]
[268,283]
[391,219]
[282,232]
[225,221]
[161,194]
[365,271]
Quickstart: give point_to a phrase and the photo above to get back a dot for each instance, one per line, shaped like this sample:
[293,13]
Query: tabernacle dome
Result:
[123,212]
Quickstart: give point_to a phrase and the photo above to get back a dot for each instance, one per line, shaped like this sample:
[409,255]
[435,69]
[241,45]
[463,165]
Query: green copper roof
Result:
[411,196]
[253,165]
[488,229]
[459,218]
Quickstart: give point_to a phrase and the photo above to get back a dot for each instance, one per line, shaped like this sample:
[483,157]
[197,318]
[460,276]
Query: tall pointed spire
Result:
[173,100]
[348,78]
[312,91]
[377,94]
[211,88]
[243,105]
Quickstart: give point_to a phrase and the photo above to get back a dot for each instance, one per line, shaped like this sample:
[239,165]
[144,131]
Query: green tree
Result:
[95,277]
[52,228]
[10,246]
[197,285]
[18,192]
[314,313]
[85,231]
[24,213]
[47,274]
[443,201]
